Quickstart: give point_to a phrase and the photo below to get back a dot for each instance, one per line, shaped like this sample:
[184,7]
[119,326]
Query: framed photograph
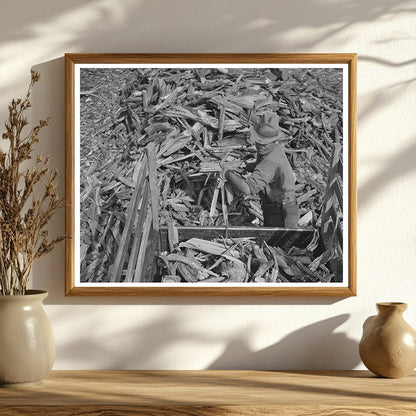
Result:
[211,174]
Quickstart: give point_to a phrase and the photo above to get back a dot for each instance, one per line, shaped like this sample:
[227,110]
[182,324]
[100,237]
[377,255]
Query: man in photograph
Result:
[272,179]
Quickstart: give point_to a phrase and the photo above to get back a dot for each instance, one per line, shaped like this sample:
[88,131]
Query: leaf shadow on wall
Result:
[313,347]
[146,345]
[382,97]
[189,26]
[236,28]
[391,170]
[152,23]
[403,162]
[153,344]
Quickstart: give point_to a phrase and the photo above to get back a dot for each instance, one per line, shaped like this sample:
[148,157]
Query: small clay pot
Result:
[388,345]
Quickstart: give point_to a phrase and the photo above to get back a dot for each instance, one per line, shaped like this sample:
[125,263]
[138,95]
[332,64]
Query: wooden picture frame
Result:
[114,132]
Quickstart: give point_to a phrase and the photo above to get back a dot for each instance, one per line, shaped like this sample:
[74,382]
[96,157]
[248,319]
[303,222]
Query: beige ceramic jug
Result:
[388,344]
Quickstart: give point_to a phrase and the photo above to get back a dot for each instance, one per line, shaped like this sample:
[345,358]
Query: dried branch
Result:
[23,218]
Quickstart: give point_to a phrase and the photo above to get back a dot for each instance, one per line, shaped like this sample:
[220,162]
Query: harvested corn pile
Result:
[242,260]
[196,117]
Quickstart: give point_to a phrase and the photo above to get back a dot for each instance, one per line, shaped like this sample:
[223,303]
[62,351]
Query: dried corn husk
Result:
[194,118]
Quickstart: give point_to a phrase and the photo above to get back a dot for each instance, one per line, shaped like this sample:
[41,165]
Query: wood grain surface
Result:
[206,393]
[212,58]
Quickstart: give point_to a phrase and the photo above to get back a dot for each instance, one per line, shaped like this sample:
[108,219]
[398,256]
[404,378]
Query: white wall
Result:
[200,333]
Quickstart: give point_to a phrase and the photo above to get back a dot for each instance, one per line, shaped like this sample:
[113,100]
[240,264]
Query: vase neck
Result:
[390,308]
[30,296]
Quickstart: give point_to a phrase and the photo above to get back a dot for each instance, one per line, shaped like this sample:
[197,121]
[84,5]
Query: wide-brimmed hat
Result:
[266,130]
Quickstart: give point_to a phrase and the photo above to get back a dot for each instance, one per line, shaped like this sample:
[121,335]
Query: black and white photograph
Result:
[211,175]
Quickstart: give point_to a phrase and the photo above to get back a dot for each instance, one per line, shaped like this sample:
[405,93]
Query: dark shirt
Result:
[273,178]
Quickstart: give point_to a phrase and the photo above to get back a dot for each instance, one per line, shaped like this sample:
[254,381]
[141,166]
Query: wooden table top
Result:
[230,392]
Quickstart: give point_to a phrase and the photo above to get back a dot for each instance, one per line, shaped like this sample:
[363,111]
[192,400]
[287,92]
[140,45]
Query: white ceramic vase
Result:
[27,347]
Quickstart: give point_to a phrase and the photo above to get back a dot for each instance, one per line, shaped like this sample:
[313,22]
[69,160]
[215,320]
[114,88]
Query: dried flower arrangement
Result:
[28,199]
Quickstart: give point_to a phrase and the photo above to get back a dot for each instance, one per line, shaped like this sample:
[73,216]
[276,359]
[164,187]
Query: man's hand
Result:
[234,165]
[236,181]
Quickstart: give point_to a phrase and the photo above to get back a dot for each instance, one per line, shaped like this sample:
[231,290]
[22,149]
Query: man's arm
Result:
[237,182]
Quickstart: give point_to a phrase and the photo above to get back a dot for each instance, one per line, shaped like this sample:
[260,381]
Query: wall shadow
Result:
[382,61]
[151,23]
[48,100]
[144,26]
[140,347]
[314,347]
[393,169]
[382,98]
